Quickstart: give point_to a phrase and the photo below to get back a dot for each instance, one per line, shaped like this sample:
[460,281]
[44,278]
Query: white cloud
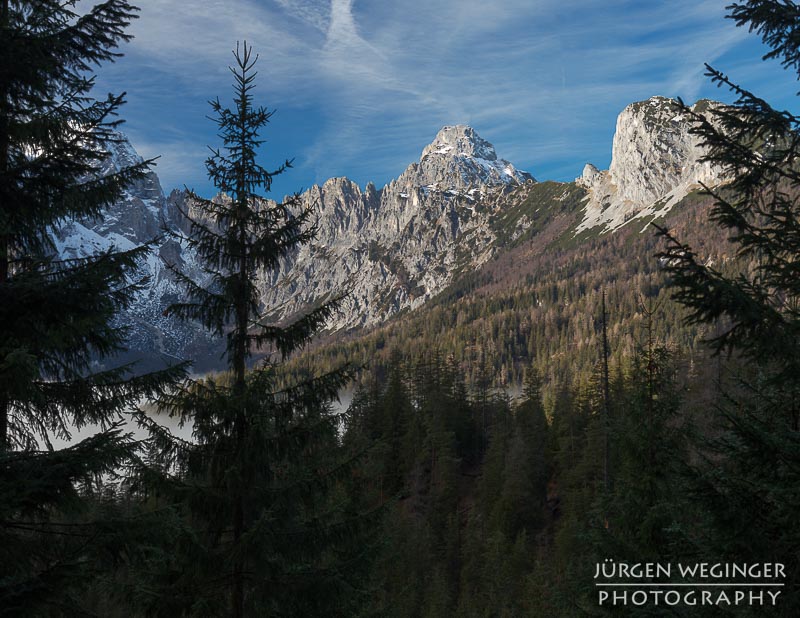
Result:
[540,78]
[490,65]
[314,13]
[192,41]
[179,160]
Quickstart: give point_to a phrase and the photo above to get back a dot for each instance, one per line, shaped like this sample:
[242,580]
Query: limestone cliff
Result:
[655,161]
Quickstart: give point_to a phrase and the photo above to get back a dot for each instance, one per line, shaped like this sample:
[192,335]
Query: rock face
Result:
[394,248]
[590,175]
[138,217]
[387,249]
[459,159]
[655,162]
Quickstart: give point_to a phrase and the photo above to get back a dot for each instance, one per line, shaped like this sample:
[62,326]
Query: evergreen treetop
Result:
[259,486]
[244,233]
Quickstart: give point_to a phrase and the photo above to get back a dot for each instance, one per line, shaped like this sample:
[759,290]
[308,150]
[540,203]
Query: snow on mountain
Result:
[137,218]
[387,249]
[458,159]
[396,247]
[392,248]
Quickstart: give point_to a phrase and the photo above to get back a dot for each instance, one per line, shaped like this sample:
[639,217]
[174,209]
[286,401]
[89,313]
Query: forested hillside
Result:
[486,414]
[536,306]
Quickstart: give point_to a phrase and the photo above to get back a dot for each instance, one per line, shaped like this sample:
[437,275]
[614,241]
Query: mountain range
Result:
[393,249]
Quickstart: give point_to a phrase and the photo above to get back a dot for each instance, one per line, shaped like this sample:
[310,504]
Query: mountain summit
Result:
[460,140]
[394,248]
[460,159]
[390,248]
[656,160]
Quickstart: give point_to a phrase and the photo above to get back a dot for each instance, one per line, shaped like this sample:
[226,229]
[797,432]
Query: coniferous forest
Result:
[578,402]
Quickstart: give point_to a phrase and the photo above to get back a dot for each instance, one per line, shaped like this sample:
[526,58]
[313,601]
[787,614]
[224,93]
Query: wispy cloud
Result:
[541,79]
[533,87]
[313,13]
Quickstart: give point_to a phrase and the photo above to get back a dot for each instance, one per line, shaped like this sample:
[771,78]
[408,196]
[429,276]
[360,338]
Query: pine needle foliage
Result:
[262,487]
[750,481]
[57,316]
[757,147]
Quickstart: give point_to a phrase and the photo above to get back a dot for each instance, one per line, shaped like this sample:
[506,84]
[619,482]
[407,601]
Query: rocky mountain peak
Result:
[589,175]
[121,154]
[460,140]
[460,160]
[655,161]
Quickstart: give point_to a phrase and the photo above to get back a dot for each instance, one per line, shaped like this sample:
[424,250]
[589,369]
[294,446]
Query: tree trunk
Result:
[4,207]
[239,366]
[606,396]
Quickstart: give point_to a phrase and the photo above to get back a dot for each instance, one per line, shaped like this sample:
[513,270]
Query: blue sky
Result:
[361,86]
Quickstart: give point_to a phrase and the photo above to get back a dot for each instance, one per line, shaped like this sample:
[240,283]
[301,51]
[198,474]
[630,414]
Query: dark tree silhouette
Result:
[266,461]
[752,488]
[56,315]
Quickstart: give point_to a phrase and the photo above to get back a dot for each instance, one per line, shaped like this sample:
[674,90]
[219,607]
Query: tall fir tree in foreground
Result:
[262,486]
[751,483]
[55,315]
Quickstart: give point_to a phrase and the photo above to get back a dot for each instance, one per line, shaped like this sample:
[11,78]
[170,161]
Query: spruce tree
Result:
[750,485]
[56,315]
[260,484]
[647,507]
